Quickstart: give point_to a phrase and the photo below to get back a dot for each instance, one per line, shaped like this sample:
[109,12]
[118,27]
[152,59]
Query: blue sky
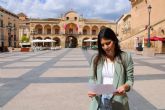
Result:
[102,9]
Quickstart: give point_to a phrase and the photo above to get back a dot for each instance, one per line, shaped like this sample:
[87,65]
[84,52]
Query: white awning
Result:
[27,43]
[49,40]
[36,40]
[90,40]
[46,40]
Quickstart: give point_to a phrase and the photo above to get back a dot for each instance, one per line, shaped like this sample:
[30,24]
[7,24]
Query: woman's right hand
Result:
[91,94]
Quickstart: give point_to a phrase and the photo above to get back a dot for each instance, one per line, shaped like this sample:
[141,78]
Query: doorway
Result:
[71,42]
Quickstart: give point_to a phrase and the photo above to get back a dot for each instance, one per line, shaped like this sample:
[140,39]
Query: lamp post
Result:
[1,36]
[10,28]
[149,27]
[15,38]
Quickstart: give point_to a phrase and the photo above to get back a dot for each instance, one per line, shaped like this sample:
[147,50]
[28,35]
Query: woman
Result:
[111,66]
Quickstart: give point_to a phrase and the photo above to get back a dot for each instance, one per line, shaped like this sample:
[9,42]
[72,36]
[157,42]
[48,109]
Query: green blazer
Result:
[121,76]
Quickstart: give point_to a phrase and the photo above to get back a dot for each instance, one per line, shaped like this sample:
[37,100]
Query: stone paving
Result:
[57,80]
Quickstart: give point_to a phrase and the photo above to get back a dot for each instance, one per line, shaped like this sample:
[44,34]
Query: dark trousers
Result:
[107,105]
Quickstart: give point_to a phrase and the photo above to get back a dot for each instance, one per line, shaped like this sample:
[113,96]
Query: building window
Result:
[1,15]
[162,31]
[39,31]
[48,31]
[163,44]
[85,32]
[93,32]
[24,34]
[75,18]
[70,31]
[56,31]
[1,23]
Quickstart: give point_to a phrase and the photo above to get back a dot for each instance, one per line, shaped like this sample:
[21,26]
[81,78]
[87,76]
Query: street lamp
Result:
[15,38]
[10,28]
[1,36]
[149,27]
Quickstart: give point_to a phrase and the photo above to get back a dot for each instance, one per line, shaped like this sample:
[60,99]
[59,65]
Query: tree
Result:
[24,39]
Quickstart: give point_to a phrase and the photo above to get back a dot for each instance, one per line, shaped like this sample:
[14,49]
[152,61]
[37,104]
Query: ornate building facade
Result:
[136,32]
[124,29]
[8,29]
[70,30]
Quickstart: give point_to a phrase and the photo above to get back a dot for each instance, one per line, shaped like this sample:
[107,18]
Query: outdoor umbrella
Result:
[90,40]
[155,38]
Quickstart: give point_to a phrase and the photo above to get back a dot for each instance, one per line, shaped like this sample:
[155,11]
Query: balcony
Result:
[71,34]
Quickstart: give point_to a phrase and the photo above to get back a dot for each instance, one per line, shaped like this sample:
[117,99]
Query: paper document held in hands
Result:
[102,88]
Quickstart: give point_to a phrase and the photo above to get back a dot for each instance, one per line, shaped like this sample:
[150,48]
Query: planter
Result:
[10,49]
[149,52]
[25,49]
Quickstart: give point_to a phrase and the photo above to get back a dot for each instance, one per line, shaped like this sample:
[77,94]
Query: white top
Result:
[108,72]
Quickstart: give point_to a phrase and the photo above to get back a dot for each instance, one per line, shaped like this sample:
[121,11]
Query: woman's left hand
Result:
[121,90]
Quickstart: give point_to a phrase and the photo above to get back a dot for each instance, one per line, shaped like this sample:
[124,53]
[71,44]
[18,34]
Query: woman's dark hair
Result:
[108,34]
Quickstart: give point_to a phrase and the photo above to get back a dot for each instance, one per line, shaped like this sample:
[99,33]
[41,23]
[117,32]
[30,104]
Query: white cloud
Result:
[53,5]
[105,9]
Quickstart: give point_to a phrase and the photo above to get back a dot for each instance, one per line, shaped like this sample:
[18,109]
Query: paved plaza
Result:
[57,80]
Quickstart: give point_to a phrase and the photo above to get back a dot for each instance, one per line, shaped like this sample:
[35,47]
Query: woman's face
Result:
[108,46]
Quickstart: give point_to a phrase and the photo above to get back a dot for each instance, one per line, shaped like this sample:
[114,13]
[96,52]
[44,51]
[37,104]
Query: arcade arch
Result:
[71,42]
[58,41]
[38,43]
[95,30]
[85,43]
[38,29]
[71,28]
[86,30]
[47,29]
[94,43]
[88,43]
[56,29]
[40,38]
[47,44]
